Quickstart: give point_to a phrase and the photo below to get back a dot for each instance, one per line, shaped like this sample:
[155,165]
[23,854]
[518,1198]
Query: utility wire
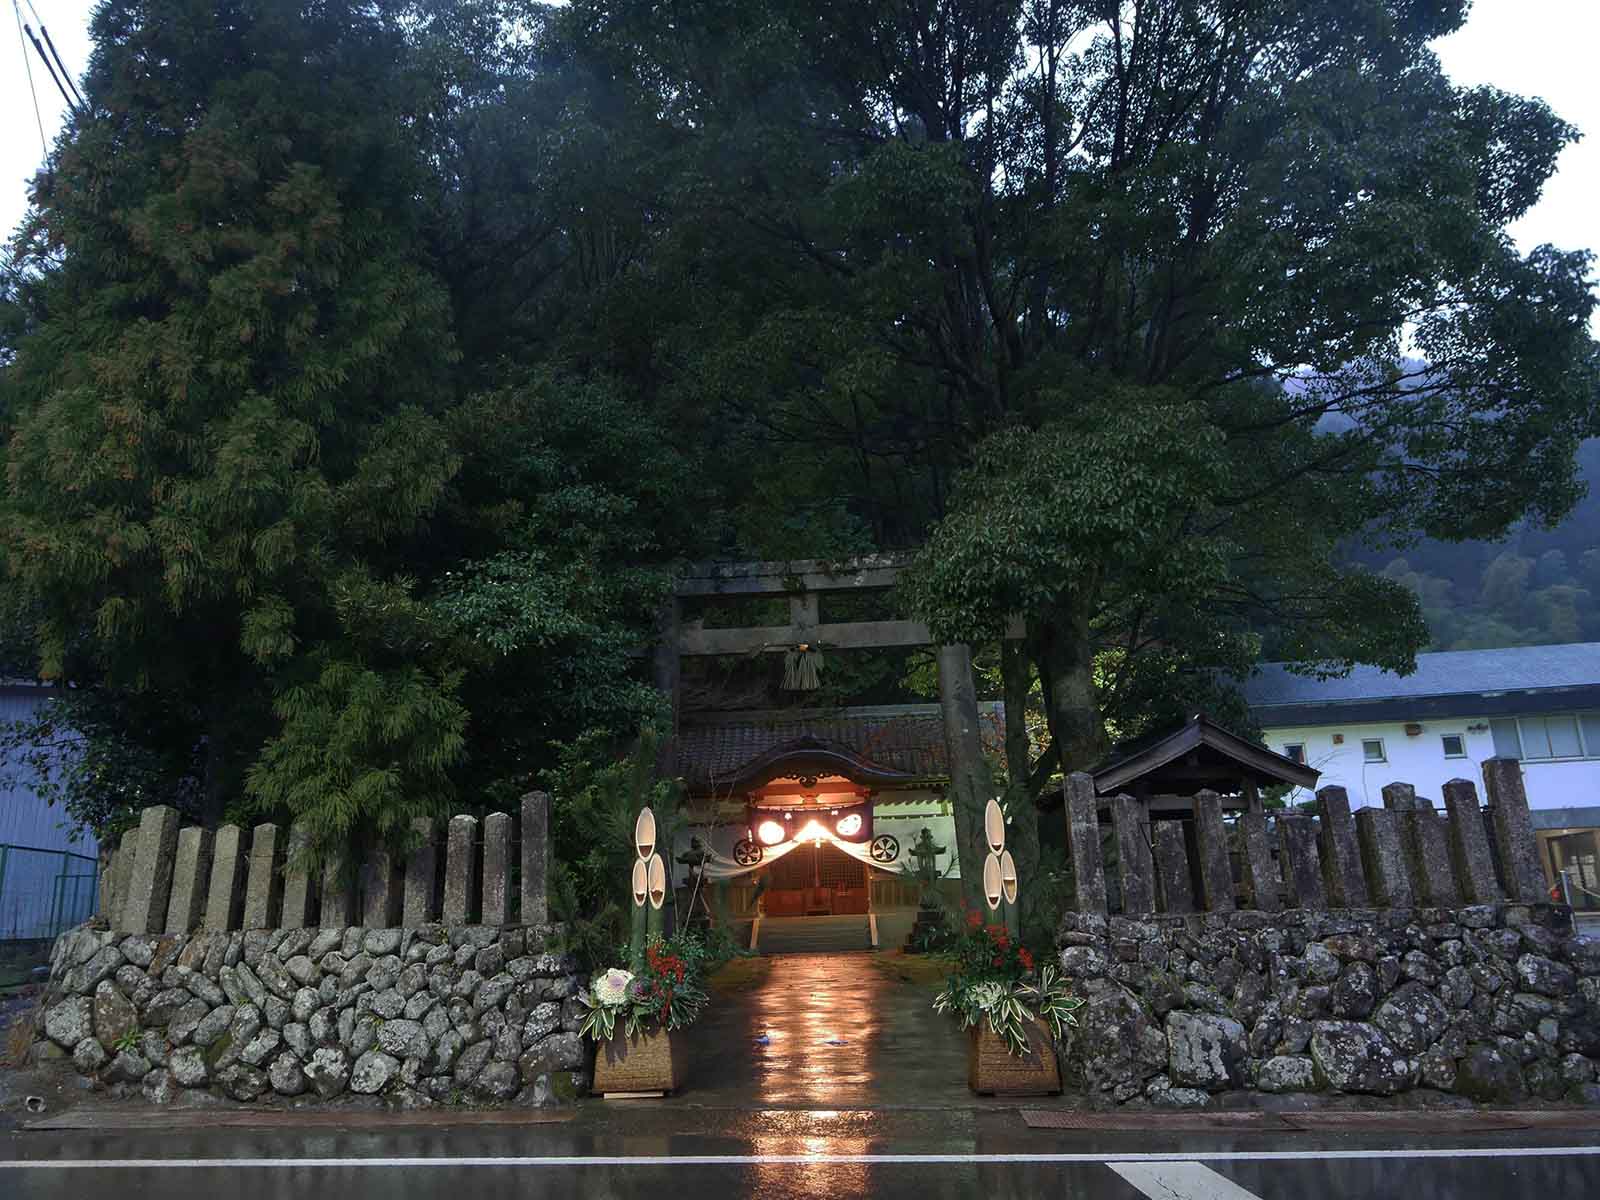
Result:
[56,54]
[28,67]
[45,58]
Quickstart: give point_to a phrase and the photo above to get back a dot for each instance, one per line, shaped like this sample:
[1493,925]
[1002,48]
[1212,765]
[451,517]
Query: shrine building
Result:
[813,813]
[805,822]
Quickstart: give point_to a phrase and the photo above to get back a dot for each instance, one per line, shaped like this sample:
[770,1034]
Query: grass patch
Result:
[13,978]
[924,970]
[739,975]
[17,1036]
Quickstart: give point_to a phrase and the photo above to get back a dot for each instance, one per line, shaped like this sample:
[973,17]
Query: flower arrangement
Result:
[663,993]
[994,982]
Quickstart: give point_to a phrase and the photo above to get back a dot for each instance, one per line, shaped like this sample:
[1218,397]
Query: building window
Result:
[1295,751]
[1454,745]
[1563,735]
[1372,750]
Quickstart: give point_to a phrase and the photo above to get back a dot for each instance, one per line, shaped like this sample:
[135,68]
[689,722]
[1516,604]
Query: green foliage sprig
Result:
[994,984]
[666,992]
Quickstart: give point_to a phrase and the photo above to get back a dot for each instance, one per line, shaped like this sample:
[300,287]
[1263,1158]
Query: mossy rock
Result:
[217,1049]
[564,1087]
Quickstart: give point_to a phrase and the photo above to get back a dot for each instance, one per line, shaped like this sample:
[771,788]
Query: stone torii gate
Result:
[804,582]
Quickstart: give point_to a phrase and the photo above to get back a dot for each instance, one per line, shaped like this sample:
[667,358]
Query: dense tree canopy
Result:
[366,369]
[1112,302]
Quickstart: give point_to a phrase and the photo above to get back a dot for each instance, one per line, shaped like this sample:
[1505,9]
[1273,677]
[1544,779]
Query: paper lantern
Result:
[994,827]
[771,833]
[644,834]
[1008,877]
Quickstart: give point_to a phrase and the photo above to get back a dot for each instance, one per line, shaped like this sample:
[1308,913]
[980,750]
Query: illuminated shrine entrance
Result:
[818,880]
[803,842]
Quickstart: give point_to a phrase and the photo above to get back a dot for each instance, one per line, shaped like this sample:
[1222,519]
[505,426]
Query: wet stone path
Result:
[826,1031]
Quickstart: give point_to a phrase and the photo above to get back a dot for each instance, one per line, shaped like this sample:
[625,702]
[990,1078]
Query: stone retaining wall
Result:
[420,1016]
[1495,1002]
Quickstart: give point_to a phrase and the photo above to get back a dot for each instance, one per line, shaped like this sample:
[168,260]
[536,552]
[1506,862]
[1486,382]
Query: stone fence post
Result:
[460,869]
[121,872]
[1340,850]
[1388,881]
[224,894]
[419,906]
[497,869]
[1173,885]
[191,873]
[1469,844]
[1083,843]
[265,884]
[1302,865]
[1513,829]
[535,858]
[150,885]
[1211,836]
[1130,824]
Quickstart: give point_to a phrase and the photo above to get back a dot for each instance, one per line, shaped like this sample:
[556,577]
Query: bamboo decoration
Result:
[649,887]
[999,869]
[656,879]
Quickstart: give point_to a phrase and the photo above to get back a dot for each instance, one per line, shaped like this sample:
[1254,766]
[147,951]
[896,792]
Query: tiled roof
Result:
[904,738]
[1449,673]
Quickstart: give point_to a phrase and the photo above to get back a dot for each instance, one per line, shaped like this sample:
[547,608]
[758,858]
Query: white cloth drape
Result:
[862,852]
[720,866]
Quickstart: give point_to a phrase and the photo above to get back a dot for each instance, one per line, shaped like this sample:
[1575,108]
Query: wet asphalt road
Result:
[711,1153]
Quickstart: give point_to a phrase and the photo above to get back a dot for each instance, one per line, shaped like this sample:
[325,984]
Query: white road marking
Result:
[737,1160]
[1180,1181]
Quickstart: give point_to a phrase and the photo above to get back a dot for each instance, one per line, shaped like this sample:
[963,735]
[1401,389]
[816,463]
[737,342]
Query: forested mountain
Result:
[1535,586]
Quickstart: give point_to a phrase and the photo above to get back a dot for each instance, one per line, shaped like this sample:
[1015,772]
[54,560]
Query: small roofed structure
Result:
[1168,768]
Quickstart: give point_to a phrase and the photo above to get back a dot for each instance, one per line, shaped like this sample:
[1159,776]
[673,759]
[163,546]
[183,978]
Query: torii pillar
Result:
[971,785]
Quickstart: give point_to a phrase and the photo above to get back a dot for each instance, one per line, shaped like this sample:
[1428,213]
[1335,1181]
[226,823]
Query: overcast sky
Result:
[1540,48]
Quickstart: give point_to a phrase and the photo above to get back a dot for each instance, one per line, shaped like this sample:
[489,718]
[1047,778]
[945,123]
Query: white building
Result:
[1540,704]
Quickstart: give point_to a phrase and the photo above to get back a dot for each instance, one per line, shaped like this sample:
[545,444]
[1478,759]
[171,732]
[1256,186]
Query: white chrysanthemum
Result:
[611,989]
[987,995]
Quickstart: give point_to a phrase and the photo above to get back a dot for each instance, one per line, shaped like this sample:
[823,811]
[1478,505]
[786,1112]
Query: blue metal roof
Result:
[1448,673]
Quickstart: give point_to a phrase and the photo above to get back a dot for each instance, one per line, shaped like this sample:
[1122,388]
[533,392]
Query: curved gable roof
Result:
[899,743]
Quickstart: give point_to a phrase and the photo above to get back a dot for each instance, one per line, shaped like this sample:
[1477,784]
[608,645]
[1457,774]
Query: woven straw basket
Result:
[992,1070]
[651,1062]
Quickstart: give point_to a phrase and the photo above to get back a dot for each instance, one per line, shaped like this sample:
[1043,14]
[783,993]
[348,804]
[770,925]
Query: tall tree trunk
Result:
[1065,652]
[666,673]
[971,785]
[1022,838]
[214,783]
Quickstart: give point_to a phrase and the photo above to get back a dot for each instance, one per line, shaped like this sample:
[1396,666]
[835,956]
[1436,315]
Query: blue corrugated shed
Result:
[25,819]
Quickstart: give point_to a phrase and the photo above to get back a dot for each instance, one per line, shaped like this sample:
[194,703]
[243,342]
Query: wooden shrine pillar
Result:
[971,785]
